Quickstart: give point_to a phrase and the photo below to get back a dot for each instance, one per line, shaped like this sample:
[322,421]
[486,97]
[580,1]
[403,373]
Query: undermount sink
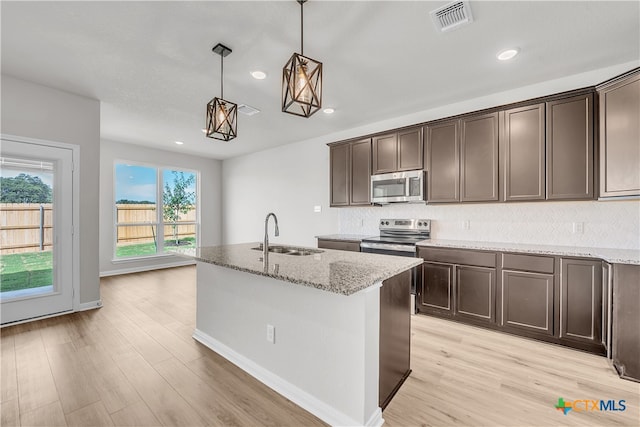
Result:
[289,250]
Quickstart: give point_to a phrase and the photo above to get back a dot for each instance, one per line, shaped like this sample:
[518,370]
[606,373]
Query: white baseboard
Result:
[376,419]
[82,307]
[35,319]
[298,396]
[90,305]
[142,268]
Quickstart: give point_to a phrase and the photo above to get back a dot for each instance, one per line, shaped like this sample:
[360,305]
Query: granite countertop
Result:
[347,237]
[340,272]
[614,256]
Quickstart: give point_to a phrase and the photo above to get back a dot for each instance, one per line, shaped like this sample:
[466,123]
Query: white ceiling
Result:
[151,65]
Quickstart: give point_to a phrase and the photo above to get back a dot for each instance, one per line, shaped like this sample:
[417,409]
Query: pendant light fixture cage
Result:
[301,80]
[222,115]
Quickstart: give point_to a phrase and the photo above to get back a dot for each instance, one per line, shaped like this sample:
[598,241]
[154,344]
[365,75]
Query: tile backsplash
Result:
[605,224]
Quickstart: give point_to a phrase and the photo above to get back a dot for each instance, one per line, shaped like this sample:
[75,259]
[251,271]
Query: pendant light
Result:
[222,115]
[301,80]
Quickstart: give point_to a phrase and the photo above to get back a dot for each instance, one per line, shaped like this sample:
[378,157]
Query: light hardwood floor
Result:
[133,363]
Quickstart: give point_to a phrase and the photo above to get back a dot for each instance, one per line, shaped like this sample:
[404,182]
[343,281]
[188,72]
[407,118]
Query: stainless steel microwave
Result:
[398,187]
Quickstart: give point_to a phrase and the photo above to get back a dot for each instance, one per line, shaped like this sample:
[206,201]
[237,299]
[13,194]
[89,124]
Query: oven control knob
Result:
[386,223]
[381,222]
[419,224]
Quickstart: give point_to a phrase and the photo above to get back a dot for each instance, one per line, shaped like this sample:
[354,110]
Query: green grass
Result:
[26,270]
[35,269]
[145,249]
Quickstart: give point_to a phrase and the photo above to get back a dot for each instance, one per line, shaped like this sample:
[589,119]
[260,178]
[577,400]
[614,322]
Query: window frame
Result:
[159,223]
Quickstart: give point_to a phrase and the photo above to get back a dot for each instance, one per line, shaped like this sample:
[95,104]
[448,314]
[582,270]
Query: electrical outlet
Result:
[317,208]
[361,222]
[578,227]
[271,334]
[465,224]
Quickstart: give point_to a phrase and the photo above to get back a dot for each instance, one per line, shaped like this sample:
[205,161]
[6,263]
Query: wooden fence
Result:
[136,213]
[26,227]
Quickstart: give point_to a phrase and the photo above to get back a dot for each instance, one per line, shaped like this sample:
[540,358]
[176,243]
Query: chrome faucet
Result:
[265,244]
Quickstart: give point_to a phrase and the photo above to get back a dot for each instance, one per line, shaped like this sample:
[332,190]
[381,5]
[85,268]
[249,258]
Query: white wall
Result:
[325,355]
[41,112]
[289,180]
[210,198]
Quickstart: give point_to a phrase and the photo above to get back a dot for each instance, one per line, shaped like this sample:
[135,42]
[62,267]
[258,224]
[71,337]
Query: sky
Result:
[138,183]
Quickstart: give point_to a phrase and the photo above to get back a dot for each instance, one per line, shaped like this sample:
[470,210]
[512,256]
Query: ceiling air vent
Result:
[247,110]
[452,16]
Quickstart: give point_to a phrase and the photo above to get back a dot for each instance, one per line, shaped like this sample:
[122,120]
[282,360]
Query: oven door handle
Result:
[389,247]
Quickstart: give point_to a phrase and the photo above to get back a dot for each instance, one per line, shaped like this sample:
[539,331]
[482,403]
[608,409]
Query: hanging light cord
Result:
[221,75]
[302,28]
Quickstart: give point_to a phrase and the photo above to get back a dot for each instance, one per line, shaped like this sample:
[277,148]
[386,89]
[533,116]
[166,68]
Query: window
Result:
[155,210]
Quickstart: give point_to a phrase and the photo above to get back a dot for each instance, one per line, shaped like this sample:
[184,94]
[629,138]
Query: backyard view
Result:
[26,270]
[26,212]
[26,220]
[155,210]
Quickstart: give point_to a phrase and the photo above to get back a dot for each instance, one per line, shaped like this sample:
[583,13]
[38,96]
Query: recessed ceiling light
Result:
[259,75]
[507,54]
[328,110]
[179,142]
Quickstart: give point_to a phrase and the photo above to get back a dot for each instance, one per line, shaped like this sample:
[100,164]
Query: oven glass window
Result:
[388,188]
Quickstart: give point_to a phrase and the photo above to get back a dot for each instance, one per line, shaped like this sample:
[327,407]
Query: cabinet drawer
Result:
[341,245]
[538,264]
[456,256]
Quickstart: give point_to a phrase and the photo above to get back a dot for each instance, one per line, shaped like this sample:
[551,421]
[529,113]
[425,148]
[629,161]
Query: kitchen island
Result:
[329,330]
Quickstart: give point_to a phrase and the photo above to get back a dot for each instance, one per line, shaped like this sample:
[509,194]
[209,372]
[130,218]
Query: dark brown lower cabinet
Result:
[436,295]
[395,336]
[475,293]
[527,302]
[626,318]
[550,298]
[341,245]
[581,291]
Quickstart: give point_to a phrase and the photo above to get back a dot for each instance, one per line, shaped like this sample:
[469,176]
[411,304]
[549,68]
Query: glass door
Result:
[36,230]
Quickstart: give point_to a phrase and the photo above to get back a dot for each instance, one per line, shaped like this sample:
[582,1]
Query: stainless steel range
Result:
[399,237]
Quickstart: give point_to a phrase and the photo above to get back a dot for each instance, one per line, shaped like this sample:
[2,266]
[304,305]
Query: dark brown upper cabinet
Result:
[410,149]
[524,149]
[462,159]
[398,151]
[443,161]
[570,148]
[361,172]
[350,173]
[479,158]
[339,174]
[619,102]
[541,149]
[385,153]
